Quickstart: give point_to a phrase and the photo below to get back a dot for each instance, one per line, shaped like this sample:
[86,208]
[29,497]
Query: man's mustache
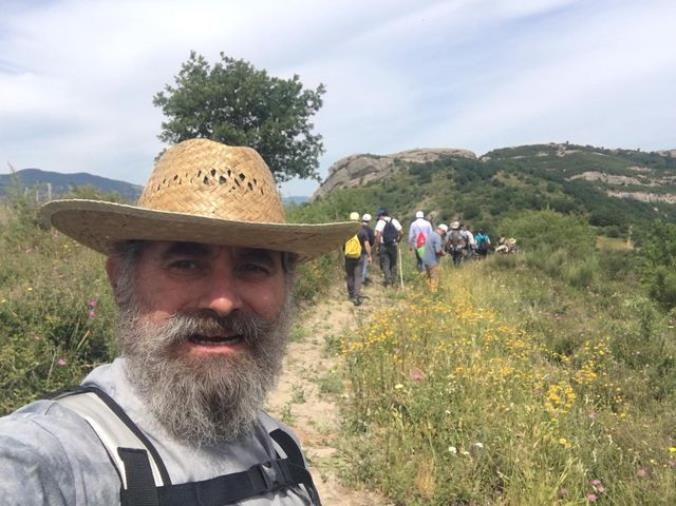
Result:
[207,323]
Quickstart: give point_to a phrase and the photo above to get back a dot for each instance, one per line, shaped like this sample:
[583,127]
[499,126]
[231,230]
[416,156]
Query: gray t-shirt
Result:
[433,248]
[51,456]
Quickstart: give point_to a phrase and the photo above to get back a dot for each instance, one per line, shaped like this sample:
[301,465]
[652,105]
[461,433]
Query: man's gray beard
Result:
[213,397]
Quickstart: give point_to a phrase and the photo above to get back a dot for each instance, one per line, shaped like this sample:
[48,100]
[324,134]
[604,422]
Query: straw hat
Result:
[354,216]
[199,191]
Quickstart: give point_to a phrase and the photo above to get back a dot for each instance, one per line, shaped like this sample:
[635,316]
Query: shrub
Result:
[547,231]
[658,253]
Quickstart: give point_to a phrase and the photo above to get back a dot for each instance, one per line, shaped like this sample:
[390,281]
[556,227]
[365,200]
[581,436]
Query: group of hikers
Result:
[428,243]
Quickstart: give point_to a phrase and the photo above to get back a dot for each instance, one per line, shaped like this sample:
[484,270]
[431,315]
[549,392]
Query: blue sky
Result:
[77,77]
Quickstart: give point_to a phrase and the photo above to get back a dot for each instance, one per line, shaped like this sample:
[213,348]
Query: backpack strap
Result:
[134,457]
[145,480]
[297,462]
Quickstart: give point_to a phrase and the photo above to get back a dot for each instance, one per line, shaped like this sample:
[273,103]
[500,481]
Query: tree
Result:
[235,103]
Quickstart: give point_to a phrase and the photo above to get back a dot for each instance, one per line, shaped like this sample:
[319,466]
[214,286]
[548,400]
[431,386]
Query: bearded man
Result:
[202,270]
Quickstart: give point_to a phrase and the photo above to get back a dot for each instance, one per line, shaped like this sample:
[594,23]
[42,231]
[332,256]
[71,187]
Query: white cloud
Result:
[77,77]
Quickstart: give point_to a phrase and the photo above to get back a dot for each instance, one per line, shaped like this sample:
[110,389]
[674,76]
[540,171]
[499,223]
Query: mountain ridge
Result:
[633,174]
[62,183]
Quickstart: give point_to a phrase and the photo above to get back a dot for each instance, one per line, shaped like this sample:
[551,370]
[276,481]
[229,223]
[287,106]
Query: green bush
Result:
[658,254]
[547,231]
[56,310]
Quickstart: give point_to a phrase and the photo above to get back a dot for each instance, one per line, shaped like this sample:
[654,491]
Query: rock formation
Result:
[357,170]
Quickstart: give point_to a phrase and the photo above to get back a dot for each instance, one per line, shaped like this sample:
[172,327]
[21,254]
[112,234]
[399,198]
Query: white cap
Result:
[443,227]
[419,214]
[354,216]
[366,217]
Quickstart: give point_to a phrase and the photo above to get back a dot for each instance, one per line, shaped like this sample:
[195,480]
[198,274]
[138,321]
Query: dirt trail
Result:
[313,414]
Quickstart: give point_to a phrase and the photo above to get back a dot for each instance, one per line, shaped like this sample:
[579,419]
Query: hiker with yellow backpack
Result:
[353,249]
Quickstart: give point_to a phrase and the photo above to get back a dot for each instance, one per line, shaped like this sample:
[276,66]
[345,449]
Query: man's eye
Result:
[252,268]
[184,265]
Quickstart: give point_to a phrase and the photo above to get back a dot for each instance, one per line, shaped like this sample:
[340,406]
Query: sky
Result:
[77,77]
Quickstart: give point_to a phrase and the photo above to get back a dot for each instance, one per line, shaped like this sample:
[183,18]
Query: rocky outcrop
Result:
[357,170]
[669,198]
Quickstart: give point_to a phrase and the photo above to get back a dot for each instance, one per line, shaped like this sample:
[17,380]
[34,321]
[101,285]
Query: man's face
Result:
[204,333]
[176,277]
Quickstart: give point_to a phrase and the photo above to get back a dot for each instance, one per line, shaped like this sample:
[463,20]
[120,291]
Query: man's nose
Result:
[223,295]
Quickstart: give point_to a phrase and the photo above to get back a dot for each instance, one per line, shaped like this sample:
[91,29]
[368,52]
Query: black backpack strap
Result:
[258,480]
[144,477]
[141,490]
[295,457]
[133,456]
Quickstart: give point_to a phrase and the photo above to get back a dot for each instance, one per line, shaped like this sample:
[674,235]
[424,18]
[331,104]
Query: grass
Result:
[613,244]
[513,387]
[330,383]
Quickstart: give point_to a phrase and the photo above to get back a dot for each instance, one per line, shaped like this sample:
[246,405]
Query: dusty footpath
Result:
[313,414]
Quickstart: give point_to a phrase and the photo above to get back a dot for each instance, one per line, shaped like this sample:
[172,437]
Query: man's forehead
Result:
[167,248]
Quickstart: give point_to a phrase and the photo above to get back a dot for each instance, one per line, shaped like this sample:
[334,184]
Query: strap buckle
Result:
[273,475]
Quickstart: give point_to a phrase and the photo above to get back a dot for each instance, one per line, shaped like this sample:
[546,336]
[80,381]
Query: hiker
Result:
[388,234]
[506,245]
[483,243]
[202,271]
[357,250]
[434,250]
[470,249]
[366,225]
[456,243]
[417,235]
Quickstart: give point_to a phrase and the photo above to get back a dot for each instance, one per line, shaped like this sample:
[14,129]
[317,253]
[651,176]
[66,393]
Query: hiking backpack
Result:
[420,240]
[390,233]
[144,477]
[456,240]
[420,243]
[353,247]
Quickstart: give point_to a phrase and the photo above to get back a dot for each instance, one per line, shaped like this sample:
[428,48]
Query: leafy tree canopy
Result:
[237,104]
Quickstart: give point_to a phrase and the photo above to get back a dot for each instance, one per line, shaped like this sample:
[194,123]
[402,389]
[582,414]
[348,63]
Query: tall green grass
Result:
[533,378]
[56,308]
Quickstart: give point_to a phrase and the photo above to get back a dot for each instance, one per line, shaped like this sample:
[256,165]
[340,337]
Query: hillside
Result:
[612,188]
[65,183]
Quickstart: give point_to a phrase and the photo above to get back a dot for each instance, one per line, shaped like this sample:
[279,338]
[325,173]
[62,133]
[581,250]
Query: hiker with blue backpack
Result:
[388,234]
[483,243]
[418,232]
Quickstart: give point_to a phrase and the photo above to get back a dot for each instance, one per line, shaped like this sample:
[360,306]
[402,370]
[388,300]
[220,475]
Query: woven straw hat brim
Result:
[99,225]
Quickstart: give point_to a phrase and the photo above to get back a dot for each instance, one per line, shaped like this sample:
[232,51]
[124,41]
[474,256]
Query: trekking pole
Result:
[401,272]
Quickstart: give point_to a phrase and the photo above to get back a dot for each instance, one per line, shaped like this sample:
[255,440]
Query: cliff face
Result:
[357,170]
